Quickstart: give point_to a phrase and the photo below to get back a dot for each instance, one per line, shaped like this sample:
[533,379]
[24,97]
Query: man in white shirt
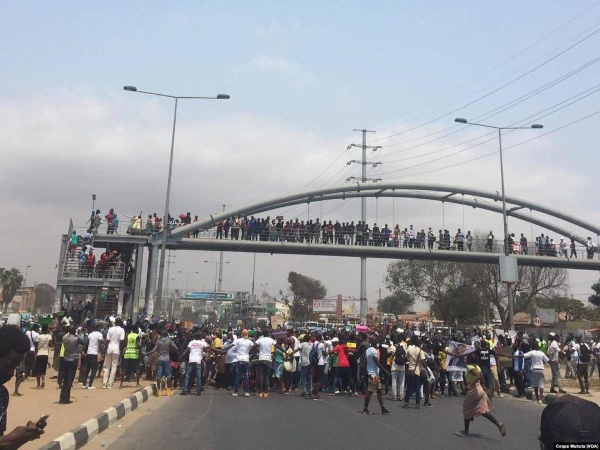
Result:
[196,349]
[114,339]
[242,348]
[553,351]
[398,370]
[265,344]
[29,360]
[320,372]
[230,360]
[296,374]
[90,361]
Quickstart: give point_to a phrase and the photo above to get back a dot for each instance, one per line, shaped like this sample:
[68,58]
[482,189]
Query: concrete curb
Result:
[79,436]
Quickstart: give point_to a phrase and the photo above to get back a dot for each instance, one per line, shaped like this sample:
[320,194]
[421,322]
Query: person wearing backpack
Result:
[399,360]
[583,363]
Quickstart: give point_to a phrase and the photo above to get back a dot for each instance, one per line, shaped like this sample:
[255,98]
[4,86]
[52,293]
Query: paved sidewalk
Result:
[63,418]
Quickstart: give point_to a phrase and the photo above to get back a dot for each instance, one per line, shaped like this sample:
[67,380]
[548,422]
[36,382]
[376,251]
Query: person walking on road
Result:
[374,366]
[553,356]
[90,358]
[70,360]
[476,400]
[114,338]
[131,357]
[163,369]
[538,359]
[196,349]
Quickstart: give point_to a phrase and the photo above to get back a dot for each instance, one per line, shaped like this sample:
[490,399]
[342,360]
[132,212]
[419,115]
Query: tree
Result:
[44,297]
[595,297]
[534,282]
[398,303]
[572,308]
[11,281]
[433,281]
[460,305]
[304,290]
[428,280]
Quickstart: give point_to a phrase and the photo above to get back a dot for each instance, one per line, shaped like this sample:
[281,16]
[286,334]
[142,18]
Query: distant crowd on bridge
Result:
[253,228]
[361,233]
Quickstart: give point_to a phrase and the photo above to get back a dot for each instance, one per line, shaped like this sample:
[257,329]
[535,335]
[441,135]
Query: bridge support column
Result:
[120,302]
[363,290]
[134,307]
[151,279]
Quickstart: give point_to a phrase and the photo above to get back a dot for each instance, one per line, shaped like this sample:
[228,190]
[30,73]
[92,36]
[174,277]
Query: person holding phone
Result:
[13,346]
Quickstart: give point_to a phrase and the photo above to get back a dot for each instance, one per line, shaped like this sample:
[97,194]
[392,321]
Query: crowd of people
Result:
[361,233]
[390,363]
[253,228]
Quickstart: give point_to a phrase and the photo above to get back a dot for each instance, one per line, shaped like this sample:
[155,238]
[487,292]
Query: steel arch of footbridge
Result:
[426,191]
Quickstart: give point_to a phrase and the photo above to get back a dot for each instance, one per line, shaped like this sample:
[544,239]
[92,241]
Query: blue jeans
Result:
[242,367]
[163,369]
[193,369]
[485,371]
[306,378]
[413,384]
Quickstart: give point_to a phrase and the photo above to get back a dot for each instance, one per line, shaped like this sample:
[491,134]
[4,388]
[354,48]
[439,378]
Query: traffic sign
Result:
[537,321]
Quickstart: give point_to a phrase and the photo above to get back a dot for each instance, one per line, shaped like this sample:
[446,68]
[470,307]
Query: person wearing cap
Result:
[475,403]
[569,419]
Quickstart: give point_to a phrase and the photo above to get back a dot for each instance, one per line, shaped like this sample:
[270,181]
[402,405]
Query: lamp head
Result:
[460,120]
[537,126]
[222,97]
[130,88]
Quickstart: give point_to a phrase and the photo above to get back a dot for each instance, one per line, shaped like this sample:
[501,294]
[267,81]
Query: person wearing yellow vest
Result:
[131,356]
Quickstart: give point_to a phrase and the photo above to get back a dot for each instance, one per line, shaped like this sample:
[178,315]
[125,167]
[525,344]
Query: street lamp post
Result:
[187,279]
[217,265]
[26,272]
[535,126]
[166,216]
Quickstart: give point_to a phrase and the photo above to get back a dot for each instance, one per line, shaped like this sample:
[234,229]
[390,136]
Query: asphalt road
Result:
[216,420]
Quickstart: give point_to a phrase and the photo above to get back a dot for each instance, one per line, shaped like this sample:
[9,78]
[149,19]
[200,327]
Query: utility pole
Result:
[363,216]
[221,261]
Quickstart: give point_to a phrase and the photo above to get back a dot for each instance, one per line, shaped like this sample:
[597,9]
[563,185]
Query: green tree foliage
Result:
[398,303]
[572,308]
[595,297]
[44,297]
[545,282]
[472,288]
[304,290]
[11,281]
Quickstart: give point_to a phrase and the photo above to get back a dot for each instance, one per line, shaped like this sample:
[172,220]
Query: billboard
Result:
[339,306]
[543,316]
[209,295]
[324,306]
[351,307]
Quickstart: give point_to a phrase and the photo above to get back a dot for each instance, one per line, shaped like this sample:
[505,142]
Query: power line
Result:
[587,93]
[539,66]
[504,149]
[493,68]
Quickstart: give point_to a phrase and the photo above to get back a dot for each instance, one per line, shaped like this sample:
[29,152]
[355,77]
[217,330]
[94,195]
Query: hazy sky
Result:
[302,76]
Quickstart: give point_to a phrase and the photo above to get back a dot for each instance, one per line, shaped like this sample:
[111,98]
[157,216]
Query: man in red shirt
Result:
[90,263]
[343,365]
